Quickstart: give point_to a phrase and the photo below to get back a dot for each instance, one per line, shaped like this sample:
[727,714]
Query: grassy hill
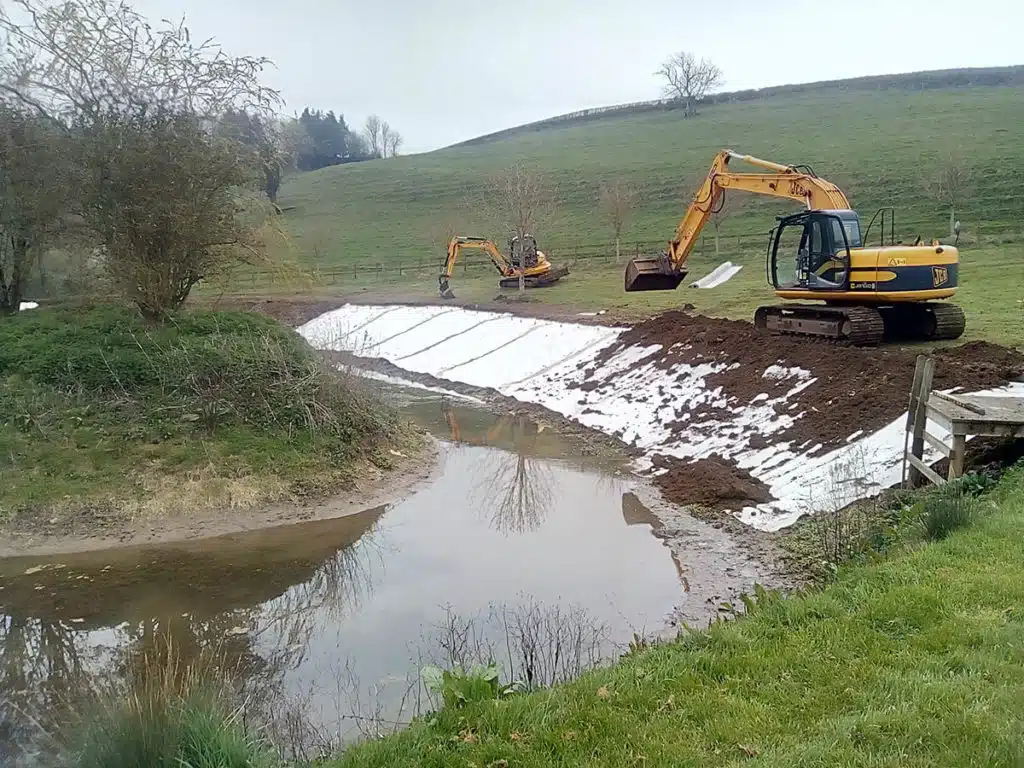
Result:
[881,146]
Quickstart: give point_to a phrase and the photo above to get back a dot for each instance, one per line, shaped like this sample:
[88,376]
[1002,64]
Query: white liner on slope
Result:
[543,362]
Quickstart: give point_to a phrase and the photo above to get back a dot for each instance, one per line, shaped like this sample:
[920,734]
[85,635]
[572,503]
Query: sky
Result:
[441,71]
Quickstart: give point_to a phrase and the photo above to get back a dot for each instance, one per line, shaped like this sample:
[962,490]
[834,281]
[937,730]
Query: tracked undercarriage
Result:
[865,326]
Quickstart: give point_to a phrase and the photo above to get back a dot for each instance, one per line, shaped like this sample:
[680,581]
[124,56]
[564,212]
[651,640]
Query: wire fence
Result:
[746,247]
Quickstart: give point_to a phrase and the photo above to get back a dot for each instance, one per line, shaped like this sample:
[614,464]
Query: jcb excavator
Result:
[869,292]
[537,270]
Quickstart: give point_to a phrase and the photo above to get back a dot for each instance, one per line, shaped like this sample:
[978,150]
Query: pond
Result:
[517,527]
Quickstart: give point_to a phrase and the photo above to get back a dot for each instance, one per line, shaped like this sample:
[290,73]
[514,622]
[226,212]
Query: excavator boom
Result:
[667,271]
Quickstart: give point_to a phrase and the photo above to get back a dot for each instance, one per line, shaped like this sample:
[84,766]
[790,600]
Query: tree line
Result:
[317,139]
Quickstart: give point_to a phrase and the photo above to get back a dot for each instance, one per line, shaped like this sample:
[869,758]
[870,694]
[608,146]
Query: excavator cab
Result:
[811,250]
[523,251]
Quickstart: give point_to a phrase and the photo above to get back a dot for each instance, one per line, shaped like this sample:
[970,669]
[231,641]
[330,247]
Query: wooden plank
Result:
[937,444]
[924,387]
[925,470]
[977,409]
[912,409]
[957,457]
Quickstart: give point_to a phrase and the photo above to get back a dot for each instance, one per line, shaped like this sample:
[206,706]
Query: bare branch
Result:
[91,57]
[688,79]
[616,201]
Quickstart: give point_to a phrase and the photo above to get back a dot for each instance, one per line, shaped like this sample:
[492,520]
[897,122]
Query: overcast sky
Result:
[445,70]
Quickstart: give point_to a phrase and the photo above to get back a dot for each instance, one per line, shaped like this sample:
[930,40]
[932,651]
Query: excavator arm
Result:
[667,271]
[459,243]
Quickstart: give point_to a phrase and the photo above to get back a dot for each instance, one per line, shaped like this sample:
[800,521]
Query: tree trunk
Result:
[718,249]
[618,251]
[522,280]
[952,221]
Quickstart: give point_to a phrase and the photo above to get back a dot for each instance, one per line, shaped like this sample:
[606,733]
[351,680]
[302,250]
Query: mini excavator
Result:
[888,290]
[534,265]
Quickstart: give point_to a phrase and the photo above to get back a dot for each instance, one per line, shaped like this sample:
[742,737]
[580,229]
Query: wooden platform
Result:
[962,415]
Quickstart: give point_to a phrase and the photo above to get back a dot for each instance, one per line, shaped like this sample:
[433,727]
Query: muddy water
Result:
[336,614]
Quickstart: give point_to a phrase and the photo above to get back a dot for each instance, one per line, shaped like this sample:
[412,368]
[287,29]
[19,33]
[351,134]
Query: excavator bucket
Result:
[444,289]
[653,274]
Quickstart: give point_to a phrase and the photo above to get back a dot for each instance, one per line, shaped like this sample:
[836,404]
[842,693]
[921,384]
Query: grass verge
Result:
[104,414]
[912,661]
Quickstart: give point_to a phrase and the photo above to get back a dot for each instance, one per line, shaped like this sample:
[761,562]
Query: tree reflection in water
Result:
[241,606]
[512,486]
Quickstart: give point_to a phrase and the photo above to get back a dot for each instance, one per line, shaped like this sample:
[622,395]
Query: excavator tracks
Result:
[925,321]
[865,326]
[861,326]
[536,281]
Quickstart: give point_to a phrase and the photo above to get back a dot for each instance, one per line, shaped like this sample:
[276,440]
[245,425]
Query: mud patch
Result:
[856,389]
[712,482]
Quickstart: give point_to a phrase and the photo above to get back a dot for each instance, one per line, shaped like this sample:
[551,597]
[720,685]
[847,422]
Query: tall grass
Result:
[168,714]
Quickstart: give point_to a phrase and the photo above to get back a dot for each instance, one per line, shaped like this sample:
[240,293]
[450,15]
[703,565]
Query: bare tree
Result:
[35,182]
[385,138]
[88,58]
[394,143]
[616,200]
[519,200]
[688,79]
[372,132]
[950,183]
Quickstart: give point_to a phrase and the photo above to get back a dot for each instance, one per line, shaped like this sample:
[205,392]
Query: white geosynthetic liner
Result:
[543,362]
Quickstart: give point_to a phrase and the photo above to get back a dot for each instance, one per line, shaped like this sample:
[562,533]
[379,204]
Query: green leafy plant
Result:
[458,687]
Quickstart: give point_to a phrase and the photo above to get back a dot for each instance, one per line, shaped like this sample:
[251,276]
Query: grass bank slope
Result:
[105,415]
[881,147]
[914,661]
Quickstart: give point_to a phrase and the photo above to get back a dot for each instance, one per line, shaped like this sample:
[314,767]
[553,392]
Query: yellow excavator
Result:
[525,258]
[888,290]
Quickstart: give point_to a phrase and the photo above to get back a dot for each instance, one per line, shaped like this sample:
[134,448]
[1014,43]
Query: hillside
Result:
[385,220]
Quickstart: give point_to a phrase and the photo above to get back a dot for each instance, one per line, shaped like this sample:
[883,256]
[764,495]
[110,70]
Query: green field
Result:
[379,225]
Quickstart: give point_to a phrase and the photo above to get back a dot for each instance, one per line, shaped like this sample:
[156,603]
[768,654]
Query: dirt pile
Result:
[857,388]
[712,482]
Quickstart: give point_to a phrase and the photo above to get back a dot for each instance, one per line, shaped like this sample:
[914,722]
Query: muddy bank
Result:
[855,389]
[92,529]
[586,441]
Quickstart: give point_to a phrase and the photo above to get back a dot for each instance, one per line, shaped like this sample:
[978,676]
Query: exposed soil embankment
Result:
[856,388]
[714,482]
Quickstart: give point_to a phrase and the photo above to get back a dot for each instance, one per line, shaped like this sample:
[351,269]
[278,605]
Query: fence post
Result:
[917,418]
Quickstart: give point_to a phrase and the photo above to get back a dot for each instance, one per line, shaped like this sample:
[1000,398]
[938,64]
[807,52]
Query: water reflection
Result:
[70,623]
[514,512]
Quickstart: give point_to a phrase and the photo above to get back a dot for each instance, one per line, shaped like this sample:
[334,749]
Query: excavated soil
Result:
[712,482]
[856,388]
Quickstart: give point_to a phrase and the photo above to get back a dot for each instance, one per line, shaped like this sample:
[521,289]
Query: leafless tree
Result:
[519,200]
[385,138]
[950,184]
[35,184]
[88,58]
[688,79]
[372,130]
[394,143]
[616,200]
